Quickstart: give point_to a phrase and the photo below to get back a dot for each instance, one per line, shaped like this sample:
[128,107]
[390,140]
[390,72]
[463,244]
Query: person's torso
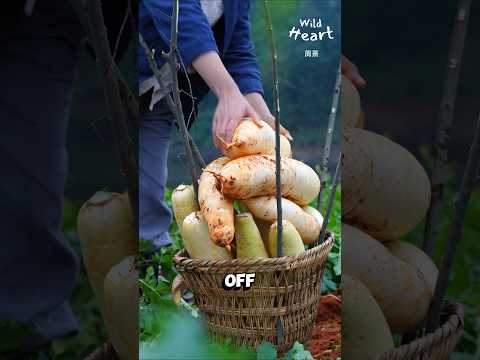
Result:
[223,31]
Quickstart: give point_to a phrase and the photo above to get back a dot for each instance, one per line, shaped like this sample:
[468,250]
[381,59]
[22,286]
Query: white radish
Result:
[365,332]
[265,208]
[292,243]
[315,213]
[197,240]
[398,287]
[250,139]
[351,109]
[254,175]
[107,233]
[385,190]
[216,208]
[121,299]
[417,258]
[249,243]
[184,202]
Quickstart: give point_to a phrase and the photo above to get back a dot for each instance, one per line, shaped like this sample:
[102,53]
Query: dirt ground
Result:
[325,343]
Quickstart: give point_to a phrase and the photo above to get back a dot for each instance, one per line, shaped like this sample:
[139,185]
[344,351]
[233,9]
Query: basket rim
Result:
[181,258]
[453,323]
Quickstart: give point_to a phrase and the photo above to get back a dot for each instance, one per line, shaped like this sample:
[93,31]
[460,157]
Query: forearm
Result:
[213,72]
[258,103]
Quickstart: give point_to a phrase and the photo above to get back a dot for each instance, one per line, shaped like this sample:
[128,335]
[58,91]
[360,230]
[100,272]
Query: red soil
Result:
[325,342]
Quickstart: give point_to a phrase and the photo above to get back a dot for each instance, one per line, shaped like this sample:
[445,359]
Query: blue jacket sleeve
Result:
[240,59]
[195,37]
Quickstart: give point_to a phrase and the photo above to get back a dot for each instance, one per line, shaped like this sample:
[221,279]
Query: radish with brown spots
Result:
[265,208]
[250,139]
[400,289]
[252,176]
[216,209]
[385,190]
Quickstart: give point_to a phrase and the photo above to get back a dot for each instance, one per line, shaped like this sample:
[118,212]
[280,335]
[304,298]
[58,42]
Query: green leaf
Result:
[298,352]
[337,268]
[266,351]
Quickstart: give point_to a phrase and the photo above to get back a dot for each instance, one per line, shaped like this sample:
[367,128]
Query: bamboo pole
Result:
[469,180]
[445,121]
[329,136]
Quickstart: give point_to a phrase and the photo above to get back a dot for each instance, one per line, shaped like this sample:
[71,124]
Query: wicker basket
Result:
[285,296]
[438,345]
[103,352]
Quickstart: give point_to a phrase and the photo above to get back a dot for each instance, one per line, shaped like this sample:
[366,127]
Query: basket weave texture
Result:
[438,345]
[284,296]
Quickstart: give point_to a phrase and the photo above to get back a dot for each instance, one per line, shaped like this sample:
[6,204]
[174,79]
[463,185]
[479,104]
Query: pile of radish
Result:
[385,195]
[211,228]
[109,242]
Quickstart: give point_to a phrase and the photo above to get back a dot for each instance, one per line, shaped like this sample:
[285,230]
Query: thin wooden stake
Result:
[175,104]
[150,55]
[331,198]
[129,100]
[276,103]
[433,224]
[115,105]
[171,59]
[278,181]
[329,136]
[469,181]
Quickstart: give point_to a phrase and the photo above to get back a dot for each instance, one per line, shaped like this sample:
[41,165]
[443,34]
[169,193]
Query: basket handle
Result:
[178,288]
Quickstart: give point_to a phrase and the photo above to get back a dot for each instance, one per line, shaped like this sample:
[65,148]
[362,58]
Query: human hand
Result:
[256,100]
[270,120]
[232,108]
[350,70]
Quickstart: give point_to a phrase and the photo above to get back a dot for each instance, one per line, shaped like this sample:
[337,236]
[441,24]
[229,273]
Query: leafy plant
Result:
[266,351]
[333,267]
[298,352]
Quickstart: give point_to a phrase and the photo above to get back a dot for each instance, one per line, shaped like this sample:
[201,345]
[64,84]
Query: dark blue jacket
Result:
[195,37]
